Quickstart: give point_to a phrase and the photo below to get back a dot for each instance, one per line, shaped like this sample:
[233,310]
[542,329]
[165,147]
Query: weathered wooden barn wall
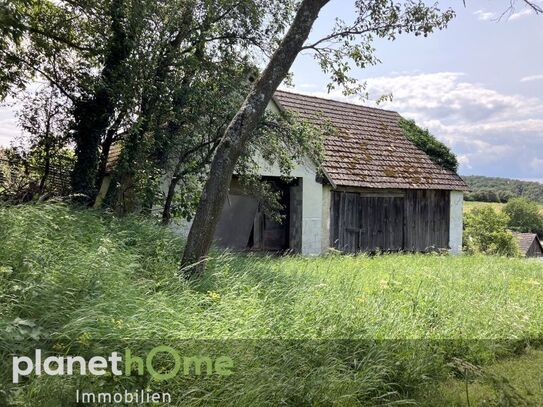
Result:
[389,220]
[427,220]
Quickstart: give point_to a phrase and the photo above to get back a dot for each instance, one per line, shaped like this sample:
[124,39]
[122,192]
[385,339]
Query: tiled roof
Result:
[525,240]
[369,149]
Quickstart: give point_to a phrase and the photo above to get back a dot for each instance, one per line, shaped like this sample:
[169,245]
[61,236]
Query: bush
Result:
[524,216]
[485,231]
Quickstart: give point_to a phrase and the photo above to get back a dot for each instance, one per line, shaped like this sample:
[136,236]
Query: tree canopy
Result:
[524,216]
[493,189]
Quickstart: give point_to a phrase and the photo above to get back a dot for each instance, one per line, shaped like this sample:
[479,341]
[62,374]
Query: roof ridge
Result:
[337,101]
[523,233]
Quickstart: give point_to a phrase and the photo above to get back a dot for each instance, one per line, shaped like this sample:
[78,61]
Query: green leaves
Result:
[436,150]
[485,231]
[524,216]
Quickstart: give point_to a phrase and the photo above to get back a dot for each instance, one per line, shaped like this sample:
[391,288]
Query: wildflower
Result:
[84,339]
[215,296]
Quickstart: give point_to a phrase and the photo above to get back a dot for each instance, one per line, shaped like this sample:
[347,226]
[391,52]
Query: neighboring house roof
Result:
[369,149]
[525,241]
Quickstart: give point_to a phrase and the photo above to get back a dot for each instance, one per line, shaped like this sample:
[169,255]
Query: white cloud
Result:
[520,14]
[485,15]
[532,78]
[463,159]
[308,86]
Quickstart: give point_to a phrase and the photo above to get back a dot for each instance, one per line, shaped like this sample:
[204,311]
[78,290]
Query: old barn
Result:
[379,192]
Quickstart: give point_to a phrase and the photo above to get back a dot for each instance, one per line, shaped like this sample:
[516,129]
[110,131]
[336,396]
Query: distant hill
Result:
[490,189]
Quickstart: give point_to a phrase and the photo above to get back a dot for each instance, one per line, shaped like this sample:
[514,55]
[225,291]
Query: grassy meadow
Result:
[330,330]
[469,205]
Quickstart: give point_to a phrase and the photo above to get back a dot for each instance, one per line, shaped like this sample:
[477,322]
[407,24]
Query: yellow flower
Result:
[84,339]
[215,296]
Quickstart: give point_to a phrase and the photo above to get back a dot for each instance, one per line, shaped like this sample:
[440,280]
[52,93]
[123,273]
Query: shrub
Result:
[485,231]
[524,216]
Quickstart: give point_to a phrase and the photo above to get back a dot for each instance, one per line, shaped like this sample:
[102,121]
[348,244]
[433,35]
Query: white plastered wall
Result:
[456,222]
[326,207]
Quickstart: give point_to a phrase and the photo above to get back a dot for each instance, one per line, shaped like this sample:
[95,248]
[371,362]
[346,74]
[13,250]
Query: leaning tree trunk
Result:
[240,130]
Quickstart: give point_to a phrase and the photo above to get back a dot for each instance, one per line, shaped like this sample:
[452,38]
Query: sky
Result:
[477,86]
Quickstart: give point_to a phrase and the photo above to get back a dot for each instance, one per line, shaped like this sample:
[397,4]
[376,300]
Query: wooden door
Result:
[367,223]
[382,220]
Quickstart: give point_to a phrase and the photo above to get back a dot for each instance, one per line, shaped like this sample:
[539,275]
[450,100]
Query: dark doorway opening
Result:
[246,225]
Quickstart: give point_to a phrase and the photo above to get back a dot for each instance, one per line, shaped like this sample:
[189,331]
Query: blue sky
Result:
[478,85]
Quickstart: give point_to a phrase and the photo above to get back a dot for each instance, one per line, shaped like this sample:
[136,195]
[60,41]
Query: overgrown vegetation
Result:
[485,231]
[424,140]
[354,330]
[492,189]
[524,216]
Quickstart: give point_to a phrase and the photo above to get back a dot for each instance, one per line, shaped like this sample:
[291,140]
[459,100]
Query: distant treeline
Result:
[490,189]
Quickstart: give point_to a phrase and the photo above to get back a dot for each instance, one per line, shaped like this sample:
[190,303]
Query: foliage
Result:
[352,328]
[436,150]
[491,189]
[16,183]
[485,231]
[161,78]
[524,216]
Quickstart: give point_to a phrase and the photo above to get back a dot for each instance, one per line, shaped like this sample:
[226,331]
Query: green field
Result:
[330,330]
[469,205]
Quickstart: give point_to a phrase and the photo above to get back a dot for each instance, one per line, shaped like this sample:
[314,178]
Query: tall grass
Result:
[344,330]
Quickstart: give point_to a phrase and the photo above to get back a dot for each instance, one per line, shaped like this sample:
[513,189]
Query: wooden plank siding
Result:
[427,220]
[413,220]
